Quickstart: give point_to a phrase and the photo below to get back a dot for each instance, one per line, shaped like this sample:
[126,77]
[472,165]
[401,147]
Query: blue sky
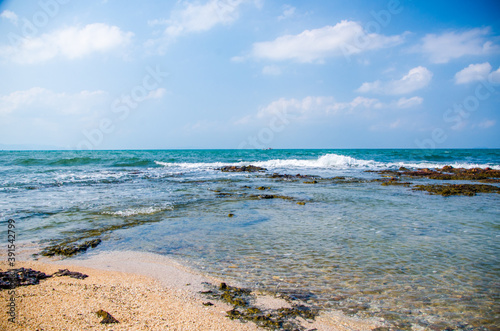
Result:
[113,74]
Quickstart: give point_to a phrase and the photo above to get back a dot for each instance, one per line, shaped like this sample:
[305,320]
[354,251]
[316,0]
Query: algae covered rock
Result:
[275,319]
[457,189]
[70,249]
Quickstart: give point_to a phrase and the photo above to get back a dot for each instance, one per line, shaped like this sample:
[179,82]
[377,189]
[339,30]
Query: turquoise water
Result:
[414,259]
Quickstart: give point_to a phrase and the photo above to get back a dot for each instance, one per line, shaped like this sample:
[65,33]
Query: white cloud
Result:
[43,101]
[356,104]
[345,38]
[195,17]
[494,77]
[487,124]
[409,102]
[10,15]
[271,70]
[315,106]
[288,12]
[69,42]
[238,59]
[156,94]
[416,79]
[473,73]
[451,45]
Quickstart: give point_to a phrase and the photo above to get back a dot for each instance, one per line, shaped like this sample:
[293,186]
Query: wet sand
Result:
[142,291]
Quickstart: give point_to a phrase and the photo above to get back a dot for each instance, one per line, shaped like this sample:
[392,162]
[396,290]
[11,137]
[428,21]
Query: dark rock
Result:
[20,277]
[107,318]
[249,168]
[72,274]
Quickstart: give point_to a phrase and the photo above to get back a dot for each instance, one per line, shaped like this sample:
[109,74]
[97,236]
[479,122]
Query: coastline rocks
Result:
[249,168]
[448,173]
[20,277]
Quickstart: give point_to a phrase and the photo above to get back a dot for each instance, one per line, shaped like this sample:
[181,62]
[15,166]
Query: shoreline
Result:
[143,291]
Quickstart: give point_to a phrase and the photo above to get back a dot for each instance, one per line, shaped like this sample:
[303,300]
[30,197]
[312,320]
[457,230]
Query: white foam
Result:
[138,211]
[327,161]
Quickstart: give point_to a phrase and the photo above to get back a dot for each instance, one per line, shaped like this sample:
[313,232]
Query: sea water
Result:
[413,259]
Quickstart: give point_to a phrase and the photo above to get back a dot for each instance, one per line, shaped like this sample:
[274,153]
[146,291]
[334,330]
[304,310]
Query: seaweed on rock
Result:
[274,319]
[70,248]
[457,189]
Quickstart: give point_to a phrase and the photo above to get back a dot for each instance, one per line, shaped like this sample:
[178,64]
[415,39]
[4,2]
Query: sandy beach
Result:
[142,291]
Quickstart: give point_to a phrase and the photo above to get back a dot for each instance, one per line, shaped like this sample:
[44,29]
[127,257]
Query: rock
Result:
[106,317]
[72,274]
[20,277]
[70,249]
[249,168]
[457,189]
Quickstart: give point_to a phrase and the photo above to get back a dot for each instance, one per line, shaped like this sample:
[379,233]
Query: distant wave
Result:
[327,161]
[75,161]
[134,162]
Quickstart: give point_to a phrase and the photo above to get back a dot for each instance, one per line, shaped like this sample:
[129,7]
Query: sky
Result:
[110,74]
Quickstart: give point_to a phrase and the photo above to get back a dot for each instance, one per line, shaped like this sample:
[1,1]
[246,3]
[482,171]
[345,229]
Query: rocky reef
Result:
[447,173]
[457,189]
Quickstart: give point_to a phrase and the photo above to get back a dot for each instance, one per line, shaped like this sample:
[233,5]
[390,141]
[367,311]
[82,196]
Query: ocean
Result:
[333,236]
